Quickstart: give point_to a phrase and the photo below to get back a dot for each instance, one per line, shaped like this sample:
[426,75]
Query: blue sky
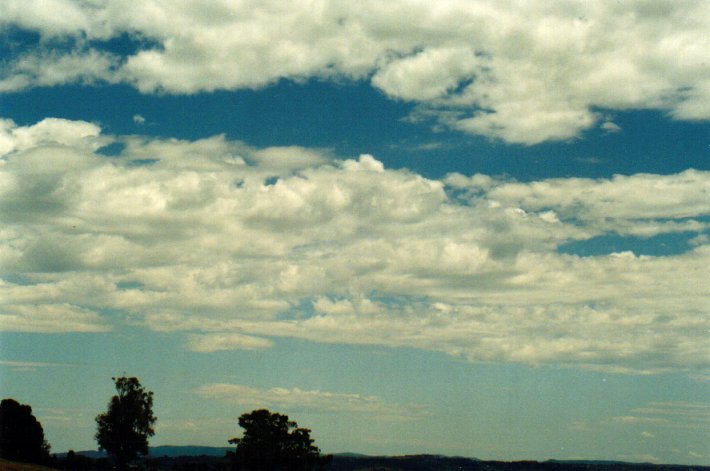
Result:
[468,228]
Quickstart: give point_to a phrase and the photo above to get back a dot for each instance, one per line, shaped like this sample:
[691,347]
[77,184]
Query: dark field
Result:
[356,463]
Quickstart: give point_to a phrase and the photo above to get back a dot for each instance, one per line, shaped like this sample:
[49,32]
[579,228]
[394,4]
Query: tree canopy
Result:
[21,435]
[124,429]
[272,442]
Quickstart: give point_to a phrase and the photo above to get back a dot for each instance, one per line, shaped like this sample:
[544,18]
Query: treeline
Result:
[270,441]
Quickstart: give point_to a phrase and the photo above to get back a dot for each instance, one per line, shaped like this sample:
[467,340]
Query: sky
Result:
[474,228]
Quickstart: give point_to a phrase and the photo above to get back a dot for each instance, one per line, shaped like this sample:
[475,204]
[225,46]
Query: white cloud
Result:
[29,365]
[50,131]
[51,69]
[49,318]
[679,414]
[230,341]
[311,400]
[632,420]
[427,75]
[50,17]
[610,126]
[525,73]
[237,246]
[641,204]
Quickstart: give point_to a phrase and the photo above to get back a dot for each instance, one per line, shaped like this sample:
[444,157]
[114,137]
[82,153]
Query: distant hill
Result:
[165,450]
[212,458]
[174,451]
[347,462]
[445,463]
[603,462]
[93,454]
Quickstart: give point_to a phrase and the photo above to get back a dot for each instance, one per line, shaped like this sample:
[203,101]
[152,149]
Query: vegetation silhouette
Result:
[271,442]
[21,435]
[123,430]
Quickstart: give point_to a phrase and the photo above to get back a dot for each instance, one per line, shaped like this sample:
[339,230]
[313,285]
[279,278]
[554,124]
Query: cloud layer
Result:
[517,71]
[235,247]
[296,399]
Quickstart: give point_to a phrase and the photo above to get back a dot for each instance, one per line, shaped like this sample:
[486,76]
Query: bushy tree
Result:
[124,429]
[272,442]
[21,435]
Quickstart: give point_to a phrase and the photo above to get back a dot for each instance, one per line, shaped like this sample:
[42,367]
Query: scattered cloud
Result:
[29,365]
[229,341]
[524,74]
[694,415]
[589,160]
[138,119]
[630,419]
[238,246]
[639,205]
[64,416]
[610,127]
[313,400]
[51,68]
[702,239]
[648,458]
[49,318]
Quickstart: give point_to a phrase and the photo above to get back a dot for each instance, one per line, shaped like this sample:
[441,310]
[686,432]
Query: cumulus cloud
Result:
[642,204]
[521,72]
[312,400]
[51,69]
[237,246]
[50,318]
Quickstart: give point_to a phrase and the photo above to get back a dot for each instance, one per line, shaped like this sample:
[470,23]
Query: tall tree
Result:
[272,442]
[124,429]
[21,435]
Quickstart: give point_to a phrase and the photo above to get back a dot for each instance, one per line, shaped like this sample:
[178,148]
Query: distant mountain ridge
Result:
[171,451]
[188,450]
[168,456]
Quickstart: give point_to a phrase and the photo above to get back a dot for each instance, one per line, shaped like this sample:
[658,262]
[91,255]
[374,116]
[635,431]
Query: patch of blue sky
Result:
[304,308]
[299,309]
[23,279]
[128,285]
[15,40]
[353,118]
[113,149]
[346,115]
[142,162]
[393,300]
[270,181]
[659,245]
[125,44]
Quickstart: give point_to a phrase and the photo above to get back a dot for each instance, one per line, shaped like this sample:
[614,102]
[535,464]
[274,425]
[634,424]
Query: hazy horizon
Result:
[474,228]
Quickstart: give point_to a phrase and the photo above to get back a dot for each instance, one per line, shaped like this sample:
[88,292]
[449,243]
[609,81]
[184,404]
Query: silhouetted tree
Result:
[75,462]
[21,435]
[272,442]
[124,429]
